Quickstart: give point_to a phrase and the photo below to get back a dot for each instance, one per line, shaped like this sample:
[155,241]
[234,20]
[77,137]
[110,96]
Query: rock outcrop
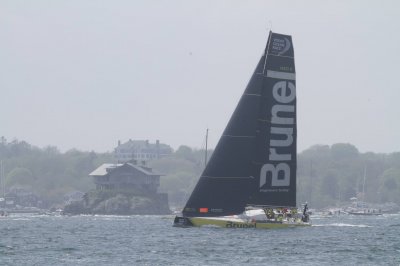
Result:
[119,203]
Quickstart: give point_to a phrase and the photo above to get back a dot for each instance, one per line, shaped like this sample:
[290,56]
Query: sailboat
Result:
[3,213]
[250,179]
[361,208]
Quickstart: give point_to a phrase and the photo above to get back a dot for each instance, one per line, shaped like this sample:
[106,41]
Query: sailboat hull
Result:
[232,222]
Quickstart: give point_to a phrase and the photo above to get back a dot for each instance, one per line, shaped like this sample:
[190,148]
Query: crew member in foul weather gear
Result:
[305,209]
[305,217]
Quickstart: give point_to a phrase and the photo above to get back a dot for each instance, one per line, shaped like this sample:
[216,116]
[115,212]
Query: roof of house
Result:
[105,168]
[102,169]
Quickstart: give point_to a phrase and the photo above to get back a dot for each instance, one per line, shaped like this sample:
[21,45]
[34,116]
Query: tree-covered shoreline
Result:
[326,175]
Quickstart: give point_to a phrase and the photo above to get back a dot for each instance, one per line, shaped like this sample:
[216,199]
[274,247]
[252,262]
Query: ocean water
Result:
[151,240]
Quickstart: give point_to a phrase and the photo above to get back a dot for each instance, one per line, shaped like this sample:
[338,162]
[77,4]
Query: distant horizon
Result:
[175,147]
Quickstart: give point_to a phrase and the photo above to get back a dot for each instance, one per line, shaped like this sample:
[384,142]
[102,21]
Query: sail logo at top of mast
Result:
[280,46]
[281,140]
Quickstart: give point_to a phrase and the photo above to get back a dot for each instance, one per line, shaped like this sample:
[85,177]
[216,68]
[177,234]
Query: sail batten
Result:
[254,162]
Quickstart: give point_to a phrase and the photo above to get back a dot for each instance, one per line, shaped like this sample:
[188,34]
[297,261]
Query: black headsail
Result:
[254,162]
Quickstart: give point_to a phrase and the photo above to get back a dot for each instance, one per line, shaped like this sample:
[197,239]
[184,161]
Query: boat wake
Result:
[342,225]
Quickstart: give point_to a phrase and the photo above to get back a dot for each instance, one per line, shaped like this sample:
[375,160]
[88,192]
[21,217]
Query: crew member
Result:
[305,218]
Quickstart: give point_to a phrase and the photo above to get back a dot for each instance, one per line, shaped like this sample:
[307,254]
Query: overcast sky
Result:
[85,74]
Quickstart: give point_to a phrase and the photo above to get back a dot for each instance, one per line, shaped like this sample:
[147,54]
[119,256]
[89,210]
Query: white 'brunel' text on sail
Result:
[284,92]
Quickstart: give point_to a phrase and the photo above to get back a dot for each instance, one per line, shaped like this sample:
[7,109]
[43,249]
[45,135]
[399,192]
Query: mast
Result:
[205,155]
[2,181]
[365,173]
[311,182]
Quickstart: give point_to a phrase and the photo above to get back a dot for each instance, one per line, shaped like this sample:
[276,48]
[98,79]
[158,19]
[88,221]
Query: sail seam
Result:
[269,121]
[247,177]
[232,136]
[292,57]
[252,94]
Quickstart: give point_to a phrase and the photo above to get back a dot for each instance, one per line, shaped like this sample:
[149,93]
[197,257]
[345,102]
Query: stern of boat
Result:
[181,221]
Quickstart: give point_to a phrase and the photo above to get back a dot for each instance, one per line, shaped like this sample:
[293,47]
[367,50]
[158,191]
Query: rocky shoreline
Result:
[119,203]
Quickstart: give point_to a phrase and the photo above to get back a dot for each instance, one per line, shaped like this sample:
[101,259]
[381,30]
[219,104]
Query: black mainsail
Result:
[254,162]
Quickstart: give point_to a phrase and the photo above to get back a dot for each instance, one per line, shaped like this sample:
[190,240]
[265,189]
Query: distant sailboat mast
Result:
[365,173]
[2,181]
[205,155]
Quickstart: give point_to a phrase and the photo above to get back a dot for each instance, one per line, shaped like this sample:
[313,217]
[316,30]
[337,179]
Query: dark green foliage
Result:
[47,172]
[326,175]
[330,184]
[182,169]
[330,176]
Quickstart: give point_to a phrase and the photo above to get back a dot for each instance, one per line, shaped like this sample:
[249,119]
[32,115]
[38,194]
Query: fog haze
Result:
[85,74]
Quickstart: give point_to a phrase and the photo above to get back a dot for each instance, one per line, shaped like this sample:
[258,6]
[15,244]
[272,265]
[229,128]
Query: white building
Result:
[140,150]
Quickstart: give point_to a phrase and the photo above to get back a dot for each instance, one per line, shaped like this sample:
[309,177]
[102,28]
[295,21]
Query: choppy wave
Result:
[151,240]
[343,225]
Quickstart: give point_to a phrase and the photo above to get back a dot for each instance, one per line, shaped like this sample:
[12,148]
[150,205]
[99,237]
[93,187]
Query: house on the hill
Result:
[141,150]
[128,175]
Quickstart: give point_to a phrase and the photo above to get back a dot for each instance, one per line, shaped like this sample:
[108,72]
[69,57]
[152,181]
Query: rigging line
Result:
[266,50]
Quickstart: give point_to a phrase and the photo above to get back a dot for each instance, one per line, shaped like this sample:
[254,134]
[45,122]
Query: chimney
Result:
[119,142]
